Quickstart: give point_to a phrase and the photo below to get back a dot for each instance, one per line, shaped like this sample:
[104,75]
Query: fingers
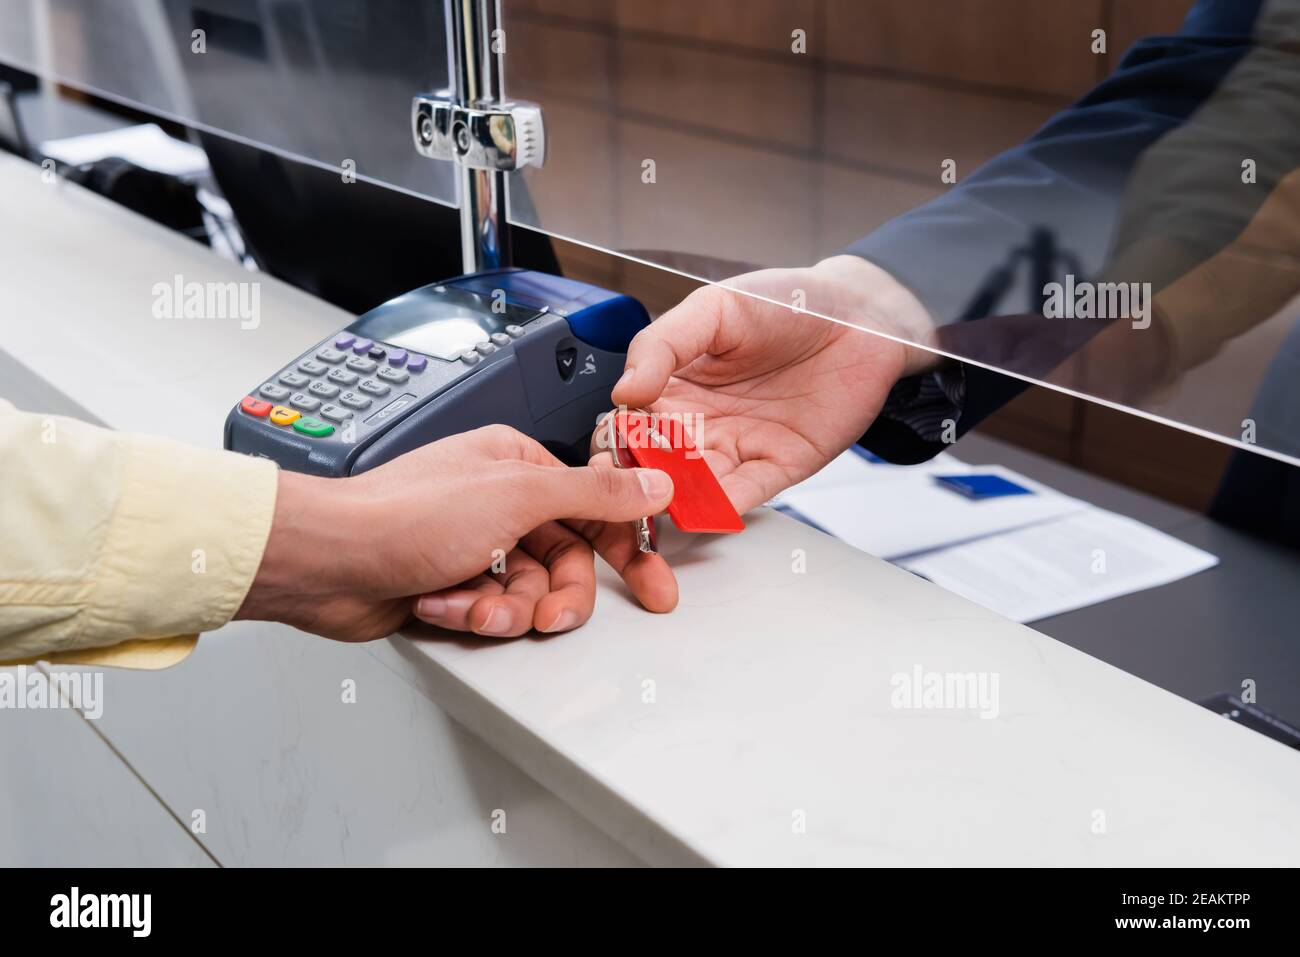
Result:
[571,565]
[450,607]
[548,583]
[648,576]
[673,341]
[500,605]
[526,582]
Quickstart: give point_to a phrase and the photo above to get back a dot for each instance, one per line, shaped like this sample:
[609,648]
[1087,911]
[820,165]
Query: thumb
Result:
[673,341]
[602,494]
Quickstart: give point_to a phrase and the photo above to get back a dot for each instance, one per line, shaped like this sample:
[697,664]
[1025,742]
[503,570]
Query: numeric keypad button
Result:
[334,413]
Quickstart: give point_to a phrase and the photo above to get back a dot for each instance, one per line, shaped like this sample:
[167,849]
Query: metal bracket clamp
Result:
[502,137]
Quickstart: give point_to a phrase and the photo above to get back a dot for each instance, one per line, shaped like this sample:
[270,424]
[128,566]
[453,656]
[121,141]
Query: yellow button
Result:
[283,416]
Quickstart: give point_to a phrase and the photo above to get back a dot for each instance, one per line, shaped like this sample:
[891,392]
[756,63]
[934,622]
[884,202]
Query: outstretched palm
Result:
[770,394]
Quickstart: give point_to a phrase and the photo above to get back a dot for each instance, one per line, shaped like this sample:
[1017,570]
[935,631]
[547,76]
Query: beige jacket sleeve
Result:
[109,538]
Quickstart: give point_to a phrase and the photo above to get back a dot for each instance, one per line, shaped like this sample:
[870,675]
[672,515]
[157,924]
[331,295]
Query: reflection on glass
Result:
[1102,197]
[321,81]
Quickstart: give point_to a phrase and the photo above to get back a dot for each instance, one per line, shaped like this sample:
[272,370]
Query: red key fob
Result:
[699,504]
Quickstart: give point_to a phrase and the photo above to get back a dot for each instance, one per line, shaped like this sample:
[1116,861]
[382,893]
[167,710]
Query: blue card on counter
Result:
[979,487]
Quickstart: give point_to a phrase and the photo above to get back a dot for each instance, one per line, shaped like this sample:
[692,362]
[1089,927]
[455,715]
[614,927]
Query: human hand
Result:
[350,558]
[775,392]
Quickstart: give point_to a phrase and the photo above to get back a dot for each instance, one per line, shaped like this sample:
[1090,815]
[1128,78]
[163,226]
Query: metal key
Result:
[645,527]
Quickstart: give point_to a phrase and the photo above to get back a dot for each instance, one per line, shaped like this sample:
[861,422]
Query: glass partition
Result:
[1100,197]
[322,81]
[1096,196]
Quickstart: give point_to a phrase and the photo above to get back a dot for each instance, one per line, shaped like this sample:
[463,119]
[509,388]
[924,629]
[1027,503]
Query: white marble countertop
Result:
[758,723]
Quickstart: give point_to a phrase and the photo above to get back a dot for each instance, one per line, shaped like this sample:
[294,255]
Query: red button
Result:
[255,407]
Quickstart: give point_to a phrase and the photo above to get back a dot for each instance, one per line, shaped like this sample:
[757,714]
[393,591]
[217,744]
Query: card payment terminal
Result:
[526,349]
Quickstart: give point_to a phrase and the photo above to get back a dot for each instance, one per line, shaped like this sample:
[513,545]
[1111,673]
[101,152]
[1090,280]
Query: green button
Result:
[313,427]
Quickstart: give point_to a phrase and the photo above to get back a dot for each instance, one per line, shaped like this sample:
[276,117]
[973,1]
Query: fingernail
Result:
[626,378]
[431,606]
[563,621]
[654,483]
[498,622]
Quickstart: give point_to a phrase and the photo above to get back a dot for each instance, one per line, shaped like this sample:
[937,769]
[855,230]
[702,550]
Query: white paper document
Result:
[1024,556]
[1047,569]
[144,145]
[904,511]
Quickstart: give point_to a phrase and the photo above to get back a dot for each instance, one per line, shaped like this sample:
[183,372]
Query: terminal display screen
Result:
[443,324]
